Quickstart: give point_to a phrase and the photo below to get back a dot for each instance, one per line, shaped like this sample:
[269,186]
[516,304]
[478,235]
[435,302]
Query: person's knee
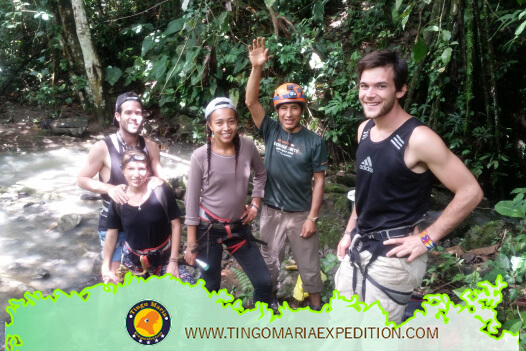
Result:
[263,283]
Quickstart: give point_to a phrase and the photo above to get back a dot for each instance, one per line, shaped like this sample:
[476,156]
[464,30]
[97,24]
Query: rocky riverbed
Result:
[49,239]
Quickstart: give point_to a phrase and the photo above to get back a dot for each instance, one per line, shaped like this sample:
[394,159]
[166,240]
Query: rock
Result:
[68,222]
[26,191]
[71,126]
[13,287]
[347,179]
[24,205]
[51,196]
[42,274]
[336,188]
[288,281]
[8,196]
[179,193]
[484,235]
[16,268]
[89,196]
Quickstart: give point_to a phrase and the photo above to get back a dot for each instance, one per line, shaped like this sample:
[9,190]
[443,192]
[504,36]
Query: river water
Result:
[37,188]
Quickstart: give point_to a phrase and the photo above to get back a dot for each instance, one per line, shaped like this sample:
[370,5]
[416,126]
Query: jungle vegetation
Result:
[466,60]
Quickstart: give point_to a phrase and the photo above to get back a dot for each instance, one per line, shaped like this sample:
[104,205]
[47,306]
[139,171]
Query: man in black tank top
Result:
[383,252]
[104,159]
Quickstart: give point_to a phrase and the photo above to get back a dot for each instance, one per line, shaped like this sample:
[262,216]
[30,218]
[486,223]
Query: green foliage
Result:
[515,208]
[328,264]
[180,54]
[509,263]
[330,232]
[246,291]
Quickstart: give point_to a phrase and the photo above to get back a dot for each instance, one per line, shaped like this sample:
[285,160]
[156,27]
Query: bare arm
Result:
[259,180]
[155,159]
[173,267]
[94,165]
[427,147]
[109,248]
[309,227]
[345,241]
[191,241]
[258,55]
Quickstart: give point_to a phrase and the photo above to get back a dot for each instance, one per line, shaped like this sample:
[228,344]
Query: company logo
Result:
[148,322]
[397,142]
[367,165]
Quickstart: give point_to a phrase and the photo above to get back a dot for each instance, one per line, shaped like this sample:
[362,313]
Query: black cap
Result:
[121,99]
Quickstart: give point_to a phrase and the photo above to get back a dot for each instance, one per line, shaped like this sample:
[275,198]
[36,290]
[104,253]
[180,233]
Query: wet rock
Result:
[86,234]
[71,126]
[42,274]
[347,179]
[34,208]
[14,287]
[68,222]
[23,205]
[16,268]
[51,196]
[89,196]
[27,191]
[8,196]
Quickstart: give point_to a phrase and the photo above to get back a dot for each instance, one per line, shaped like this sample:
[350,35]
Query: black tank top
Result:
[116,175]
[388,194]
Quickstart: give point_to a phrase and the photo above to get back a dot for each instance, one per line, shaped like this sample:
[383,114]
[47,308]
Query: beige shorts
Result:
[392,273]
[276,227]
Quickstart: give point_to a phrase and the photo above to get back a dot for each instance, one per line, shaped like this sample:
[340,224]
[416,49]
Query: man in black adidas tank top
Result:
[104,158]
[383,250]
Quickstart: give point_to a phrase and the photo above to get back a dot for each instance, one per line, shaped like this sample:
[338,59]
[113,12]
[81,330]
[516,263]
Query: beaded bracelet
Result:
[426,240]
[254,206]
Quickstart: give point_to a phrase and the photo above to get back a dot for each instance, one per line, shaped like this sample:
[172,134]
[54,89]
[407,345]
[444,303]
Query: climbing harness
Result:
[151,260]
[375,246]
[232,229]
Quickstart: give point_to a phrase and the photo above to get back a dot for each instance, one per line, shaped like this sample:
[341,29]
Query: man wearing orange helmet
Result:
[294,156]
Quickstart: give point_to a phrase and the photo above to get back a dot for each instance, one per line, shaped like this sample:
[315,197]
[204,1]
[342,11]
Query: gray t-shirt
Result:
[291,159]
[224,193]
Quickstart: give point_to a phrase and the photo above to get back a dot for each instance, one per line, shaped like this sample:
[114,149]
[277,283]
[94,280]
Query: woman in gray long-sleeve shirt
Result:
[216,209]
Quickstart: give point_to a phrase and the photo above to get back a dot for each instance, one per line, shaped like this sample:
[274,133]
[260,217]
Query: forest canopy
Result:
[466,61]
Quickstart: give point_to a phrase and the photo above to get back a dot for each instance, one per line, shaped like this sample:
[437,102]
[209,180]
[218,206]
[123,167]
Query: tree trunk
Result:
[91,62]
[470,48]
[413,87]
[63,14]
[492,76]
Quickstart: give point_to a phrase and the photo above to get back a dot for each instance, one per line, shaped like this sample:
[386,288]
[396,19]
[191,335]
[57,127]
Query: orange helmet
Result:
[289,93]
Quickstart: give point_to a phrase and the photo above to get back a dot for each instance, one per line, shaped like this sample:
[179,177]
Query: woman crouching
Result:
[150,220]
[216,209]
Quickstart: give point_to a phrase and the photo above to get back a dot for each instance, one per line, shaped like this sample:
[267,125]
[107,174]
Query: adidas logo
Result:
[367,165]
[397,141]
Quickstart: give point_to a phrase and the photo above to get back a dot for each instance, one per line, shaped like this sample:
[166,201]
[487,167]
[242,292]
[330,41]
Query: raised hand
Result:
[257,53]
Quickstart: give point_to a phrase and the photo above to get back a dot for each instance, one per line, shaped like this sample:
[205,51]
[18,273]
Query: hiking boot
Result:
[274,305]
[315,308]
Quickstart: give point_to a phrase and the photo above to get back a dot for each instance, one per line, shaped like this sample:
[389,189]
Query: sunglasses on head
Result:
[138,157]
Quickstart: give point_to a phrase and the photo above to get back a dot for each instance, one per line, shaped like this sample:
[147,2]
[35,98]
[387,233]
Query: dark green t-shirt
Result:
[291,159]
